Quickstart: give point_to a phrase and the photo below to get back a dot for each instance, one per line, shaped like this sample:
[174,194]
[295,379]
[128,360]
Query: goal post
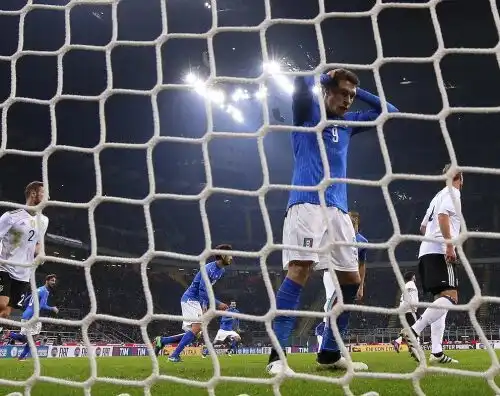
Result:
[213,99]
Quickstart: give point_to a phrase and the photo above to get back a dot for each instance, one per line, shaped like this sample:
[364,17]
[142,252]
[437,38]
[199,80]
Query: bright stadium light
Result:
[315,90]
[235,113]
[191,78]
[217,96]
[261,93]
[240,94]
[274,69]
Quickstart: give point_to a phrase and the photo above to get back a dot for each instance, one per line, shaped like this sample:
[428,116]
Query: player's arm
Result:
[444,211]
[362,273]
[304,103]
[368,115]
[204,296]
[42,237]
[6,222]
[43,296]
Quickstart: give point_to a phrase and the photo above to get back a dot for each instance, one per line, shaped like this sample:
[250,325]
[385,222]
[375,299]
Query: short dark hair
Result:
[408,276]
[223,246]
[447,168]
[344,74]
[50,277]
[33,186]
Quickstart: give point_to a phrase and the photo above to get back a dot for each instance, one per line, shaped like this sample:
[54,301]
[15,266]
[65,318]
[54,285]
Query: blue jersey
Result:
[43,296]
[197,291]
[308,167]
[361,251]
[228,323]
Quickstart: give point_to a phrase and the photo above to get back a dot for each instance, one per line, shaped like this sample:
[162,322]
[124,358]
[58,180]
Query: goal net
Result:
[224,102]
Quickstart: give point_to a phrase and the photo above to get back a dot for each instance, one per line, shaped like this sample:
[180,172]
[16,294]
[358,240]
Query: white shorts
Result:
[306,226]
[33,329]
[223,334]
[190,309]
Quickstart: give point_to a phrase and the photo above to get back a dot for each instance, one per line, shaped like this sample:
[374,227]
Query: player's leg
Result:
[439,278]
[233,340]
[190,309]
[304,226]
[411,319]
[344,260]
[5,291]
[34,330]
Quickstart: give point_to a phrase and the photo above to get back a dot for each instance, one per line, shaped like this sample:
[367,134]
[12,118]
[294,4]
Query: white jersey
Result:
[411,289]
[442,203]
[19,234]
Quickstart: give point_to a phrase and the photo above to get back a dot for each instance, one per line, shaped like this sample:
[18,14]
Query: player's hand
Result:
[360,294]
[222,306]
[56,310]
[451,255]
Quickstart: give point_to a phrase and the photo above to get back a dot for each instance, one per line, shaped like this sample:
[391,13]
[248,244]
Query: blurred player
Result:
[328,281]
[194,302]
[306,222]
[411,313]
[20,234]
[228,333]
[437,267]
[29,312]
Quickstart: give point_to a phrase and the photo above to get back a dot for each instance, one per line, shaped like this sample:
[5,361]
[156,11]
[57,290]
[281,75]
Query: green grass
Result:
[245,366]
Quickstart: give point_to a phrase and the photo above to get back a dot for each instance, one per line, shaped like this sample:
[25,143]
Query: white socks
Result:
[431,315]
[437,333]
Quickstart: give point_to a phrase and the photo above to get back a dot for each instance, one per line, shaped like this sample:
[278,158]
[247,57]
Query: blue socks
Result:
[172,339]
[329,343]
[186,339]
[287,297]
[25,351]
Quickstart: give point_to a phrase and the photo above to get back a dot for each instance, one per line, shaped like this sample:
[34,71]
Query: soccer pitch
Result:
[195,368]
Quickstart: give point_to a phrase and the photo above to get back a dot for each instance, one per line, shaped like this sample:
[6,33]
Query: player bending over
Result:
[410,302]
[194,302]
[306,223]
[437,267]
[34,329]
[228,334]
[20,234]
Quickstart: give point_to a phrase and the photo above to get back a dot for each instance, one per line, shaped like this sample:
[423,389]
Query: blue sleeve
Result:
[203,288]
[304,103]
[362,252]
[44,296]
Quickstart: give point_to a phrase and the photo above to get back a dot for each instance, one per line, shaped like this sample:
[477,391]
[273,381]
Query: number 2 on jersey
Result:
[31,235]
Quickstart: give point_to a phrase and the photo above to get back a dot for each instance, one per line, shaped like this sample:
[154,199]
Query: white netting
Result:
[209,189]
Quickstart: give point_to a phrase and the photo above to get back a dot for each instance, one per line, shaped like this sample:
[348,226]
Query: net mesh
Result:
[398,237]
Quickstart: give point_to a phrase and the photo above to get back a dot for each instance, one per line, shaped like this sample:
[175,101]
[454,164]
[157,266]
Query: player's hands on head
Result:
[222,306]
[451,255]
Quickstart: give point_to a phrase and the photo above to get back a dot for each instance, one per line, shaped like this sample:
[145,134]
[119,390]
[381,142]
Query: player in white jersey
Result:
[437,267]
[409,302]
[20,234]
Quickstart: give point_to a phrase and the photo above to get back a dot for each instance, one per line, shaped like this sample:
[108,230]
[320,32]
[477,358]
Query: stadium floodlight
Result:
[235,113]
[240,94]
[216,96]
[261,93]
[274,69]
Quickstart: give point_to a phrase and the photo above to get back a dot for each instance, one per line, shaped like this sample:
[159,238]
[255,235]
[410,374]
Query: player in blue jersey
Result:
[306,224]
[228,334]
[29,312]
[194,302]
